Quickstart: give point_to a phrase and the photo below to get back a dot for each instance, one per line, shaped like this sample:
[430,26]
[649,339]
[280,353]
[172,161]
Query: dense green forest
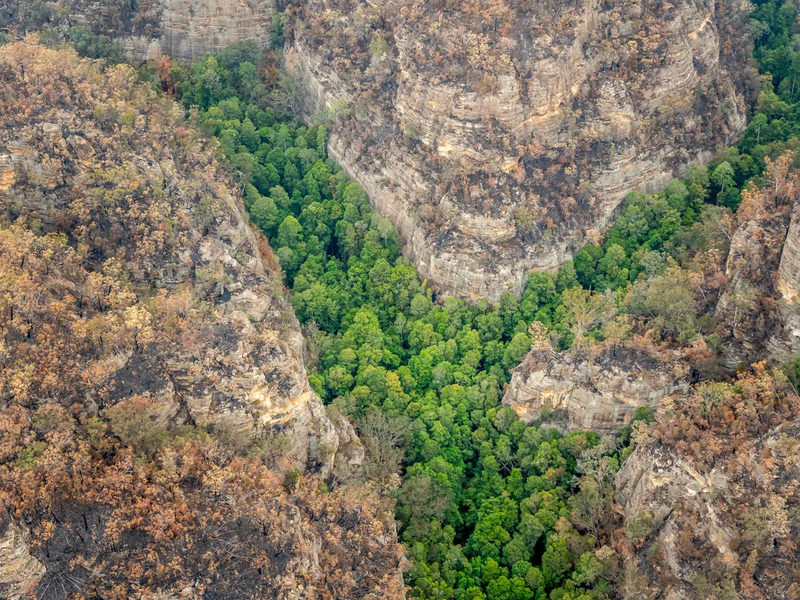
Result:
[488,507]
[484,497]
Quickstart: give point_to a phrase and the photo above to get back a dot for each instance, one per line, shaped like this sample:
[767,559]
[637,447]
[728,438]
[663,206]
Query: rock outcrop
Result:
[788,284]
[496,137]
[649,486]
[758,310]
[707,495]
[594,392]
[19,569]
[182,29]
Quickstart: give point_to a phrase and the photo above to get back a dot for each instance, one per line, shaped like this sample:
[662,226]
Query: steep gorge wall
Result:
[244,368]
[788,283]
[137,303]
[758,313]
[498,138]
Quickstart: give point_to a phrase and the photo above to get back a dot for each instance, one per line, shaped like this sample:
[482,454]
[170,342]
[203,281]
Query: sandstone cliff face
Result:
[652,483]
[199,27]
[758,310]
[182,29]
[495,137]
[161,216]
[19,569]
[596,393]
[746,308]
[788,284]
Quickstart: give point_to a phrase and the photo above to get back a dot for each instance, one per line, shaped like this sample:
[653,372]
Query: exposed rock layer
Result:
[496,147]
[788,283]
[182,29]
[19,569]
[198,27]
[758,310]
[596,393]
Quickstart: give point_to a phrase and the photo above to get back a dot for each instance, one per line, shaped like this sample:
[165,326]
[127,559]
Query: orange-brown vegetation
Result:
[137,315]
[724,518]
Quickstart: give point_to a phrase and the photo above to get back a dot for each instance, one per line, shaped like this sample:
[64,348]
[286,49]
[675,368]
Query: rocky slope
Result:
[139,305]
[788,283]
[758,311]
[710,497]
[498,136]
[150,28]
[595,391]
[219,346]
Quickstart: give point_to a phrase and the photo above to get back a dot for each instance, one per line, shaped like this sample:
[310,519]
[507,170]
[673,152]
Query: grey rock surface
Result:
[600,392]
